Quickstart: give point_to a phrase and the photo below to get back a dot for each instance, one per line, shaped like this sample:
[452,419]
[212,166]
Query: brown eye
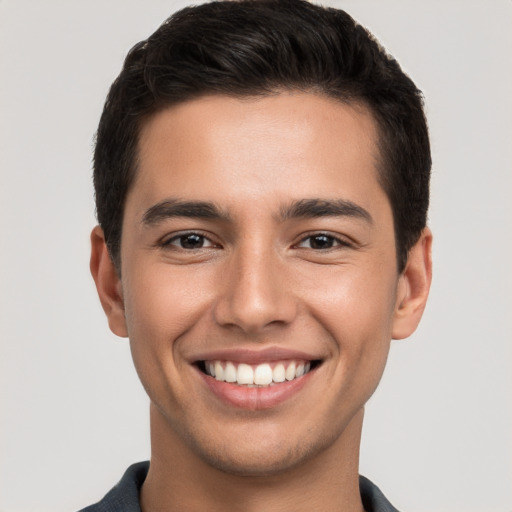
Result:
[321,241]
[192,241]
[189,241]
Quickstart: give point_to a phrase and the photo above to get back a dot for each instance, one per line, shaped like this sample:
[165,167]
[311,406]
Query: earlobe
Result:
[413,287]
[108,283]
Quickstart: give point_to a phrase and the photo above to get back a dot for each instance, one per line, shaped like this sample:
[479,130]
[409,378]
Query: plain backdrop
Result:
[438,432]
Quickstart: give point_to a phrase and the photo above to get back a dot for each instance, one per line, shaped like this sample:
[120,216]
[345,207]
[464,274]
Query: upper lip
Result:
[250,356]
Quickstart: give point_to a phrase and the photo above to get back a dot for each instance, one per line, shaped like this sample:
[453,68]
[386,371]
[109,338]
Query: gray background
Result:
[438,432]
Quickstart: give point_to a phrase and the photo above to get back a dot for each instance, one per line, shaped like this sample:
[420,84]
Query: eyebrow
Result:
[304,208]
[312,208]
[169,208]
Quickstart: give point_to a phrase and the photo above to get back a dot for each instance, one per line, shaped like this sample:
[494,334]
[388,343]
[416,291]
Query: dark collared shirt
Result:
[124,497]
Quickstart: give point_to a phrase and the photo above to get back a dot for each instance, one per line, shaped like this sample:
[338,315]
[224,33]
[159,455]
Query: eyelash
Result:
[336,241]
[167,243]
[330,239]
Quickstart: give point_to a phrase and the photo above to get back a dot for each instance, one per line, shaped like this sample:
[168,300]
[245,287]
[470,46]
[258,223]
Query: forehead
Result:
[289,141]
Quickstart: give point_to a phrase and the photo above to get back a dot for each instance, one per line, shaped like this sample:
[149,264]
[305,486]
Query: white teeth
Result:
[245,374]
[290,372]
[278,375]
[263,375]
[230,372]
[258,375]
[219,371]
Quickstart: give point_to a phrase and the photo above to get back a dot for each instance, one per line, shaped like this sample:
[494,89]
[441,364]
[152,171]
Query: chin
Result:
[255,464]
[261,457]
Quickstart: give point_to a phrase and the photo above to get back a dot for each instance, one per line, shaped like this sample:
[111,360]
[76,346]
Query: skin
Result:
[260,279]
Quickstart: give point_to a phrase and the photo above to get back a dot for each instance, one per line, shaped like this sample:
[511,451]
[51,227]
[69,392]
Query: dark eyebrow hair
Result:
[311,208]
[178,208]
[324,208]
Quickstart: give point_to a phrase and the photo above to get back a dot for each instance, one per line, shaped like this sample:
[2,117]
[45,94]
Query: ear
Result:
[108,283]
[413,287]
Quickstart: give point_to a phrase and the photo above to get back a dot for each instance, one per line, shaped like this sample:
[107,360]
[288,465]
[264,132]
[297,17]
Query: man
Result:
[261,173]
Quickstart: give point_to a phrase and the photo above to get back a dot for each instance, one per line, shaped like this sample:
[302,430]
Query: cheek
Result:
[357,313]
[160,307]
[355,301]
[161,303]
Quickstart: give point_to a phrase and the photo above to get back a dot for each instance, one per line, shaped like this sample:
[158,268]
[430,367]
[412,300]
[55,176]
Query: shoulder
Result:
[373,498]
[124,496]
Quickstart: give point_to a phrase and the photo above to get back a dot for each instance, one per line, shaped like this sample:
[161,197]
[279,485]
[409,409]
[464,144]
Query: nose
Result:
[255,293]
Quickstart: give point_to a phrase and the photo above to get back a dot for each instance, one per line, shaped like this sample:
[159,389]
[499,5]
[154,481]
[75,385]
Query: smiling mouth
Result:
[257,375]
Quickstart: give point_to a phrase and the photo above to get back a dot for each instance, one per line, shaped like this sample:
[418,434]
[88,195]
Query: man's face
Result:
[257,240]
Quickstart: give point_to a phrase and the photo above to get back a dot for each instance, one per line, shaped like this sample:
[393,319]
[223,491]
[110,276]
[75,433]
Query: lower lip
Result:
[255,398]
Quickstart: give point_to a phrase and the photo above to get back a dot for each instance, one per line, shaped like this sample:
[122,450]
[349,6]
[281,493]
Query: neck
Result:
[179,480]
